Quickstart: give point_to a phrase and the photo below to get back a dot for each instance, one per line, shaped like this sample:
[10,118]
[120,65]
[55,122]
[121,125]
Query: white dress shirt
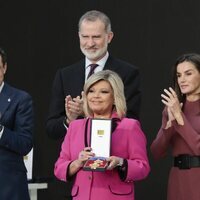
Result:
[101,63]
[1,86]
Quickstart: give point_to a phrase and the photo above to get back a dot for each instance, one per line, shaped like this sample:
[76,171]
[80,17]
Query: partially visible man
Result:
[16,126]
[95,34]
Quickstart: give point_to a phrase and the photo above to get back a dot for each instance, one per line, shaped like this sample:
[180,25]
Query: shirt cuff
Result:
[122,170]
[1,133]
[65,123]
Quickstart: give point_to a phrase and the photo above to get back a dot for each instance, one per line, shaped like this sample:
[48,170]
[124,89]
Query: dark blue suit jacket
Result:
[70,81]
[16,115]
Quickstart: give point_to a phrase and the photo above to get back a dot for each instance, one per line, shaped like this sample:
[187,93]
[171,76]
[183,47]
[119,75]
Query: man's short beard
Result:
[96,55]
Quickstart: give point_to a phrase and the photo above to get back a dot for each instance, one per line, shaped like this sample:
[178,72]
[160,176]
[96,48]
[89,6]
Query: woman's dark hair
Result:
[192,58]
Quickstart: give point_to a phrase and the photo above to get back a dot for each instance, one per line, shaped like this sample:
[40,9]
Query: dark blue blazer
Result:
[70,81]
[16,115]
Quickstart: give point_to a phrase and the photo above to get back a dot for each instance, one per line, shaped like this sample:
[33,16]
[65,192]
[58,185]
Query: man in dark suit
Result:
[16,123]
[95,34]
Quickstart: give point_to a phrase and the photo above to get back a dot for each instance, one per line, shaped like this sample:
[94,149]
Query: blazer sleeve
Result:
[19,137]
[161,143]
[138,164]
[62,164]
[55,121]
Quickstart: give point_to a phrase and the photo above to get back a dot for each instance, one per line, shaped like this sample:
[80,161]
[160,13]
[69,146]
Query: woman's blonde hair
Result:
[117,87]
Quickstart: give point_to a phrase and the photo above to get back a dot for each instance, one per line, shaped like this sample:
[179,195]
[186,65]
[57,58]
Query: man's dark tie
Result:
[92,68]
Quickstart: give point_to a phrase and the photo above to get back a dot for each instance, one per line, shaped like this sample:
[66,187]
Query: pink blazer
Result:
[128,141]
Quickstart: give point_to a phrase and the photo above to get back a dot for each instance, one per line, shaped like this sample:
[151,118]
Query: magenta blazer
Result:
[128,141]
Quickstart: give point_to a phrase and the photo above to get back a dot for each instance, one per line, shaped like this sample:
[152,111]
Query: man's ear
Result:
[110,36]
[79,34]
[5,68]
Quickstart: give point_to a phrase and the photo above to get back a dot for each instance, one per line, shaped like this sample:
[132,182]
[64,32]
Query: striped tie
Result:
[92,68]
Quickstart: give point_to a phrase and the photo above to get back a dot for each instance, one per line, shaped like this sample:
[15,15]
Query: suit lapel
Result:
[5,100]
[81,73]
[79,78]
[109,64]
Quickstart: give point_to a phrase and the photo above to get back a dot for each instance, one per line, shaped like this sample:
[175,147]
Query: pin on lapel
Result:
[9,100]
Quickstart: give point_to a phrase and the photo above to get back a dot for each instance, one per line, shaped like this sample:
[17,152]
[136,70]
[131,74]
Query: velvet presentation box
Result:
[96,164]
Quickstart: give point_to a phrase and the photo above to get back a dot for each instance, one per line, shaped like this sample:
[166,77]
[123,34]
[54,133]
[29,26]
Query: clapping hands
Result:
[170,99]
[73,107]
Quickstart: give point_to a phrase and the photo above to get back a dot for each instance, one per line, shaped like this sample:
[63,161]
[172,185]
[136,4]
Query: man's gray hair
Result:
[94,15]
